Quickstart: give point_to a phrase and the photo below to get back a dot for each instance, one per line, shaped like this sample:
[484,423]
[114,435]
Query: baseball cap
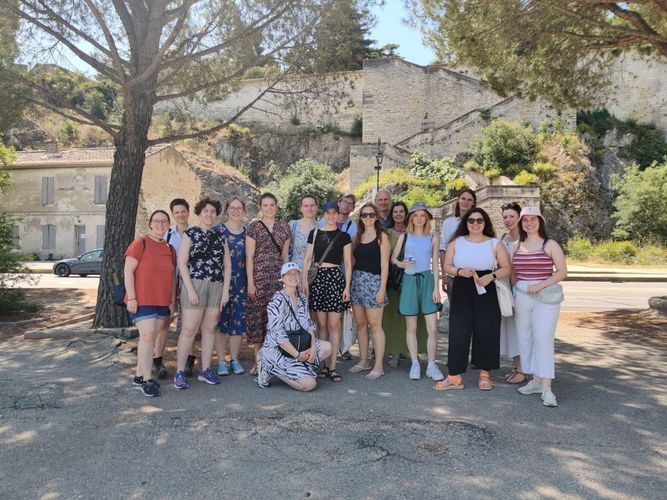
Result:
[287,267]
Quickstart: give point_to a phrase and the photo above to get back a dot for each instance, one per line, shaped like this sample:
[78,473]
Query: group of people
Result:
[287,286]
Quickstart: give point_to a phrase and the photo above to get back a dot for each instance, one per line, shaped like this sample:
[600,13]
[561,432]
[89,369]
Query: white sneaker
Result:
[530,388]
[549,398]
[415,371]
[434,372]
[263,377]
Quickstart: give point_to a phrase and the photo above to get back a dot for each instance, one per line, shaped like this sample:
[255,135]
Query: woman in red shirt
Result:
[149,273]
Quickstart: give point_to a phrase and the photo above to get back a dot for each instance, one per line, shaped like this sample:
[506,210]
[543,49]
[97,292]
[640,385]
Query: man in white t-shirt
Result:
[465,201]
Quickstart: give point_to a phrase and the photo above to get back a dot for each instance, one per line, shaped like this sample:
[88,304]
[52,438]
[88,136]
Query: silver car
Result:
[83,265]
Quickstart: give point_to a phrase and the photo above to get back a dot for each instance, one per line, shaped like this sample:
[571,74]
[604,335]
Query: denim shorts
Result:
[150,312]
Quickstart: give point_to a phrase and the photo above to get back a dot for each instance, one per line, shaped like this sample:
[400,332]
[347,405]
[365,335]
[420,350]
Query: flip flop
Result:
[513,378]
[373,375]
[324,373]
[359,367]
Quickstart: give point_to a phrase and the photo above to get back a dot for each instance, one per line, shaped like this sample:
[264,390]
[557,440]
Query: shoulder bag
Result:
[395,278]
[503,290]
[280,250]
[314,267]
[301,339]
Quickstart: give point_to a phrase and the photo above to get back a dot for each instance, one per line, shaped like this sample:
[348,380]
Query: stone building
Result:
[59,197]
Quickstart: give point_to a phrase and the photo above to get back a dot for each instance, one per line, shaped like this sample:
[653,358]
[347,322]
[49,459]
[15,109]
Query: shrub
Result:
[396,176]
[651,255]
[505,145]
[417,193]
[492,174]
[524,178]
[439,171]
[622,252]
[357,127]
[472,166]
[579,248]
[544,170]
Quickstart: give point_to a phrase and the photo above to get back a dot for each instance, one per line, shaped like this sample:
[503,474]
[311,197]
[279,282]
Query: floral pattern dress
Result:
[266,273]
[233,316]
[297,251]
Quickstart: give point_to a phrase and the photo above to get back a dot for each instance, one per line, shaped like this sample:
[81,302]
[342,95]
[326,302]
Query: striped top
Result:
[533,266]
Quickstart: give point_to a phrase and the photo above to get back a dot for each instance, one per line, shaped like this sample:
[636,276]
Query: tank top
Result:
[367,257]
[533,266]
[477,256]
[418,247]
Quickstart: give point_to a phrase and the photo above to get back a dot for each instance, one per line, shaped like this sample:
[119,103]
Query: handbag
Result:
[300,338]
[553,294]
[314,267]
[395,277]
[503,290]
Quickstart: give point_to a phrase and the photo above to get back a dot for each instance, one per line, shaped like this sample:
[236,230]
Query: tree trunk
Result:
[121,210]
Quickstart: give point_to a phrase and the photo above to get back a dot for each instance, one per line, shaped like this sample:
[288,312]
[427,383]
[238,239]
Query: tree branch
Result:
[111,129]
[115,56]
[128,24]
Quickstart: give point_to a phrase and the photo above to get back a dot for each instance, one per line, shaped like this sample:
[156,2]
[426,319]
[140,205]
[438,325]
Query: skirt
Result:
[326,292]
[365,287]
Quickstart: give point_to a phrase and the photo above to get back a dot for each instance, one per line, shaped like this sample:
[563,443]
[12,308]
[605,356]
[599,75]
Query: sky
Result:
[390,28]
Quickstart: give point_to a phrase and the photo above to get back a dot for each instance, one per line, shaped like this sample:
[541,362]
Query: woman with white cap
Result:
[420,293]
[288,312]
[538,266]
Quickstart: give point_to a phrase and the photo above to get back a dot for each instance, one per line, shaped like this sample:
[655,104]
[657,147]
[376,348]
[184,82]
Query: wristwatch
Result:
[494,276]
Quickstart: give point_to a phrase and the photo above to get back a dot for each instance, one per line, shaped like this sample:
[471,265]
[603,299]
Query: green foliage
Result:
[399,178]
[472,166]
[507,146]
[525,178]
[443,170]
[492,174]
[544,170]
[68,134]
[260,72]
[304,176]
[579,248]
[418,193]
[641,204]
[357,127]
[622,252]
[597,121]
[651,255]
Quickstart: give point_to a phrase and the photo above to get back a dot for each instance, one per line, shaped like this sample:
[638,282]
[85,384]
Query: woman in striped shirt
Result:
[538,263]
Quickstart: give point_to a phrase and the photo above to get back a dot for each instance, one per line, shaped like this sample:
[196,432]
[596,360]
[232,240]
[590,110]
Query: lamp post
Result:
[379,156]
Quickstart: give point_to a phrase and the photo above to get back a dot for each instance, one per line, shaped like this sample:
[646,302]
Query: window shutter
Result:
[100,236]
[47,190]
[45,237]
[100,189]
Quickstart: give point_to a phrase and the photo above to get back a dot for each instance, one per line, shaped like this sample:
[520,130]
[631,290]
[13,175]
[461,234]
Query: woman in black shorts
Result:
[371,250]
[330,291]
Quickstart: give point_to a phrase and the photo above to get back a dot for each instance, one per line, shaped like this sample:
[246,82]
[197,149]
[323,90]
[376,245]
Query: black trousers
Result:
[473,317]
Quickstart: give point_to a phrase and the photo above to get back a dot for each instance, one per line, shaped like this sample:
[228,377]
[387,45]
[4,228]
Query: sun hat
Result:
[287,267]
[330,205]
[531,211]
[419,205]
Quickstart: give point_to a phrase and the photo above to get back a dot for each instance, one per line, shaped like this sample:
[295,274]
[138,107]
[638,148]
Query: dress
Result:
[266,273]
[393,323]
[233,316]
[280,320]
[509,342]
[297,249]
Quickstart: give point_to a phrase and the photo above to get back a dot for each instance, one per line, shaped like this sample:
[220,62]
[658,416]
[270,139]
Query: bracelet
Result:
[457,271]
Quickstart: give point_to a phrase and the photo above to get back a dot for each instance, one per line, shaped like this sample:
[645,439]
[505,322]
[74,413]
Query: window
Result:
[95,254]
[15,236]
[100,237]
[47,191]
[48,237]
[100,189]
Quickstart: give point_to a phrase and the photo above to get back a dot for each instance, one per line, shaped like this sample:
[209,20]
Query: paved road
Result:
[579,295]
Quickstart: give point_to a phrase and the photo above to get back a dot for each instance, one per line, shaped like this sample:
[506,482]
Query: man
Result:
[346,205]
[383,202]
[180,211]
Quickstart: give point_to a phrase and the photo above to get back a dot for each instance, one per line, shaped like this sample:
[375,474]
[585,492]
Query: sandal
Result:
[359,367]
[517,378]
[324,373]
[511,373]
[373,375]
[335,376]
[484,383]
[448,384]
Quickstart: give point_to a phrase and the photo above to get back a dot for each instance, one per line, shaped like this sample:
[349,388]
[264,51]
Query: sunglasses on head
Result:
[371,215]
[511,206]
[475,220]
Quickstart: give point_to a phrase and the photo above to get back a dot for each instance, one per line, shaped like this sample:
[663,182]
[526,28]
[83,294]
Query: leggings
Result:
[473,317]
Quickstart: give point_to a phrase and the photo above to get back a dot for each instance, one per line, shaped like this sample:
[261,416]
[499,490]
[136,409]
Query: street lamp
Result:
[379,156]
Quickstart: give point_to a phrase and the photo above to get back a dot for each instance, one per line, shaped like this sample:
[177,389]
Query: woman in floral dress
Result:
[232,322]
[267,248]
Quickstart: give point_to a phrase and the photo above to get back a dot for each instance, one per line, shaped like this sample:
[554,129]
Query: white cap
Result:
[287,267]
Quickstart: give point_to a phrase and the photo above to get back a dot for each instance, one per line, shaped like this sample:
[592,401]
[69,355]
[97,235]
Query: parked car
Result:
[83,265]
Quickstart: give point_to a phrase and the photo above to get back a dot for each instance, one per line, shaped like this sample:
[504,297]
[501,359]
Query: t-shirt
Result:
[154,275]
[335,255]
[207,250]
[449,226]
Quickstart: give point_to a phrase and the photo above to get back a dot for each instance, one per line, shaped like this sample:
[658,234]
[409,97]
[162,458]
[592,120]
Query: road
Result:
[579,295]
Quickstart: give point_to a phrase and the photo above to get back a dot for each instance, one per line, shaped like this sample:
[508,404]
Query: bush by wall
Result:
[507,146]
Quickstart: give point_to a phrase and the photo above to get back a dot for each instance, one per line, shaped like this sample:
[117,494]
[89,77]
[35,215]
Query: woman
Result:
[419,291]
[301,228]
[267,248]
[466,200]
[509,344]
[474,314]
[331,248]
[371,250]
[150,285]
[206,269]
[288,310]
[393,324]
[536,317]
[232,322]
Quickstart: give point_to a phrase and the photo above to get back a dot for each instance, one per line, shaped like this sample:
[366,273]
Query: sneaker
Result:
[190,366]
[434,372]
[150,389]
[179,380]
[549,398]
[222,368]
[236,367]
[263,376]
[138,382]
[415,371]
[530,388]
[346,356]
[160,371]
[209,377]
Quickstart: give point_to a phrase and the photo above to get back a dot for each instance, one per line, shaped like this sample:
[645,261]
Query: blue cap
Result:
[420,205]
[287,267]
[330,205]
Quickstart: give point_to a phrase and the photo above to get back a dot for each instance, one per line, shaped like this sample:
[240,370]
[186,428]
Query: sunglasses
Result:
[473,220]
[371,215]
[511,206]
